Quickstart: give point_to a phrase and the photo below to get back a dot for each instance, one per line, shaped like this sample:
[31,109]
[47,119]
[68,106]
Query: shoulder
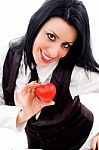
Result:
[14,54]
[17,45]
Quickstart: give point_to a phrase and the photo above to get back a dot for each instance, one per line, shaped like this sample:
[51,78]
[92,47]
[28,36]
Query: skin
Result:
[52,43]
[30,104]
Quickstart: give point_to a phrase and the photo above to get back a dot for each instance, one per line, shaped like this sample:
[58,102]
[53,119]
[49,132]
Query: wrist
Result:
[21,118]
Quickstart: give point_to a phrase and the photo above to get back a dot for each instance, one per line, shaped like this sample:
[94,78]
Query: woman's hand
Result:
[29,102]
[95,143]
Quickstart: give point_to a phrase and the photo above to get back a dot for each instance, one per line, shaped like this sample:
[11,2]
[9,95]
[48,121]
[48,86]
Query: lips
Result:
[45,57]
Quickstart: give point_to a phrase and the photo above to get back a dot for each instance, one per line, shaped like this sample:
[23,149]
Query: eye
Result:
[51,36]
[66,45]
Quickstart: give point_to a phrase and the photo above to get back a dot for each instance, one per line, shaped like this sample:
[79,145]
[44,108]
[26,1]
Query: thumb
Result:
[51,103]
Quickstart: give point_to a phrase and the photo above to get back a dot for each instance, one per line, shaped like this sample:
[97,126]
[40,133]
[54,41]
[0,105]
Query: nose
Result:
[54,51]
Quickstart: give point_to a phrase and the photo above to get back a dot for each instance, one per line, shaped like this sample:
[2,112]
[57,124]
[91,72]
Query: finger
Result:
[51,103]
[32,84]
[47,103]
[24,90]
[29,89]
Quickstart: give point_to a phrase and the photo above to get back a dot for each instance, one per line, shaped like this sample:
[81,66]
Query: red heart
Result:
[46,92]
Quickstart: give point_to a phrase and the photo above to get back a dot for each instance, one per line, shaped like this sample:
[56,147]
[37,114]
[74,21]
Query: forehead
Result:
[61,27]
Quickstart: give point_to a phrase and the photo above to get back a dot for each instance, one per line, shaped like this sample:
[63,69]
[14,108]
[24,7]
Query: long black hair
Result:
[74,12]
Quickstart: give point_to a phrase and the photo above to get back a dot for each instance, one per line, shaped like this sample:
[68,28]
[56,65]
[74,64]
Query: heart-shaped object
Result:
[46,92]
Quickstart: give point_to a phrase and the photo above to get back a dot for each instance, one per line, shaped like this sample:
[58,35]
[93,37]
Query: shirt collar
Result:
[45,72]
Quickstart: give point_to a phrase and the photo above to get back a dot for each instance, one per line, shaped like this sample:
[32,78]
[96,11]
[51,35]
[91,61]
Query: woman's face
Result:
[53,41]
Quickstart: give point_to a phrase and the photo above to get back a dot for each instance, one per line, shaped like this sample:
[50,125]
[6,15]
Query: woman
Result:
[56,45]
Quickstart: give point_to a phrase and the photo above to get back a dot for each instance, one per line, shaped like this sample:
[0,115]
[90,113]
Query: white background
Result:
[14,18]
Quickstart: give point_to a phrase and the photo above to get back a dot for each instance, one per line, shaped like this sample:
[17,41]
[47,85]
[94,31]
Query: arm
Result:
[8,114]
[88,88]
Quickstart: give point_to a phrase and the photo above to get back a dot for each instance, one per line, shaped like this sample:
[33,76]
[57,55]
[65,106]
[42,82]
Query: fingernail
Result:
[92,149]
[52,103]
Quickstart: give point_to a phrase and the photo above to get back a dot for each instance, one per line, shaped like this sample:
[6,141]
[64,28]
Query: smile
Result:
[45,57]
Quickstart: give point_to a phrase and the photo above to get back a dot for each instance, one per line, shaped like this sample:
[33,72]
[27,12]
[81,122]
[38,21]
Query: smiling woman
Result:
[55,49]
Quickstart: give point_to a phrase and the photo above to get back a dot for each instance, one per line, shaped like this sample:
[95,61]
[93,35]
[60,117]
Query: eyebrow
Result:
[59,37]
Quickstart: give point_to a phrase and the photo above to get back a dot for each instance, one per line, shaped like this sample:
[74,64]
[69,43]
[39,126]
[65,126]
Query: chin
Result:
[42,64]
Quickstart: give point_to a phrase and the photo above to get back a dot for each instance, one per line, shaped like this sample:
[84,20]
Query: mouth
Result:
[45,57]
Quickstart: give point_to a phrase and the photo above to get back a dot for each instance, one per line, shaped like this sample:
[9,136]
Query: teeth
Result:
[46,57]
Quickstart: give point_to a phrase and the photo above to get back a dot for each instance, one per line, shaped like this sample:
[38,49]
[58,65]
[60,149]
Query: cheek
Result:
[39,44]
[63,53]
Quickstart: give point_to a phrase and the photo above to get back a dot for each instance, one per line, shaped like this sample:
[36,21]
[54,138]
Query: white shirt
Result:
[80,84]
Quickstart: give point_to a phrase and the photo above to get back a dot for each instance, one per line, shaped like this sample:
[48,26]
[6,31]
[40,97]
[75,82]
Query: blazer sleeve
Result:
[8,114]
